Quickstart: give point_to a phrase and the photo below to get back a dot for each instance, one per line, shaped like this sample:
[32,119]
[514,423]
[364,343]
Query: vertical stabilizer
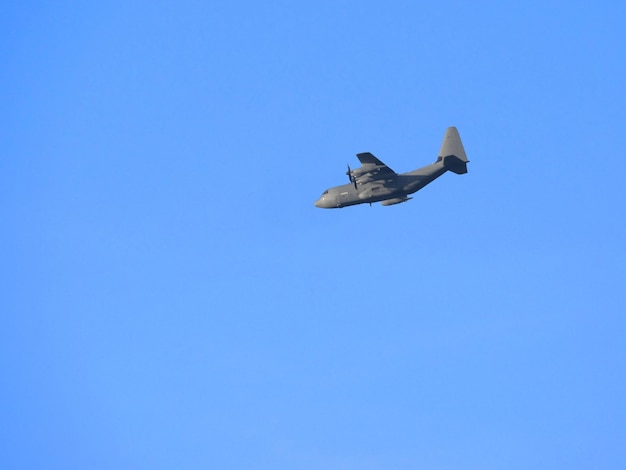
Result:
[452,152]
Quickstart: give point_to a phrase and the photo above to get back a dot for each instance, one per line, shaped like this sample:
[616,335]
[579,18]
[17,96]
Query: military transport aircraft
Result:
[374,181]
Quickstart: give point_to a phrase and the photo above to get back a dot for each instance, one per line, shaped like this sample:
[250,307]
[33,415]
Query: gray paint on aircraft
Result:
[376,182]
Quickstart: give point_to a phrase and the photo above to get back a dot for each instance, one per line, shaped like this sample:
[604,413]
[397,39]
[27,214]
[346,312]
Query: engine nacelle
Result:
[397,200]
[359,171]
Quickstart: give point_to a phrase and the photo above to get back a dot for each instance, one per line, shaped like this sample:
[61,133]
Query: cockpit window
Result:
[325,192]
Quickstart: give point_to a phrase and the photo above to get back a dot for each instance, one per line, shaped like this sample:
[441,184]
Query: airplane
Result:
[374,181]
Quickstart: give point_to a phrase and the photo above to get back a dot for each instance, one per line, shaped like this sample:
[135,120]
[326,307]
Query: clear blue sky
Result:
[171,298]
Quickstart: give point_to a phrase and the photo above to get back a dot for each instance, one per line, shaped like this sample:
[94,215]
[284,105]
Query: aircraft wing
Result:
[372,169]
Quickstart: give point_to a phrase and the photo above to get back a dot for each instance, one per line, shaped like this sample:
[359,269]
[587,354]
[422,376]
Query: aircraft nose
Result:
[322,203]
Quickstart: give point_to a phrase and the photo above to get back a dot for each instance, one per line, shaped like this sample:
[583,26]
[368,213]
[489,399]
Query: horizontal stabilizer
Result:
[455,164]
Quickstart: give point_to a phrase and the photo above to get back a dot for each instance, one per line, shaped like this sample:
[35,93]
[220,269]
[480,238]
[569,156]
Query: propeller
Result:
[351,176]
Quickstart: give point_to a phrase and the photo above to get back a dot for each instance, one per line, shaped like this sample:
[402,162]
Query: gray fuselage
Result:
[395,189]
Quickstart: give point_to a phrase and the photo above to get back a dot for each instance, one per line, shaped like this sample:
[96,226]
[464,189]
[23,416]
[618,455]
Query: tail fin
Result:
[452,152]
